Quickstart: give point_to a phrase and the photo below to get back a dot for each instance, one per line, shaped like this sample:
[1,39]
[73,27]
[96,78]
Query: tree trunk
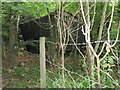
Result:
[89,53]
[12,36]
[101,26]
[3,50]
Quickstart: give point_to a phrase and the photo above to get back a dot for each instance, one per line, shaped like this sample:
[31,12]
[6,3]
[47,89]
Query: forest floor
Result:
[17,72]
[24,70]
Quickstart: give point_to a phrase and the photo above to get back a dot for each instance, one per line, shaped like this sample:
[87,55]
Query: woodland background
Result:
[96,66]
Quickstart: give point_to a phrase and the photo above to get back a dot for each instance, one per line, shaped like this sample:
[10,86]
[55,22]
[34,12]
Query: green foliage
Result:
[96,25]
[22,77]
[71,7]
[108,63]
[113,34]
[33,9]
[5,29]
[28,76]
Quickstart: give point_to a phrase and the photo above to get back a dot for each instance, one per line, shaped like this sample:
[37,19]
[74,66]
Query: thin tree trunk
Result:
[17,28]
[61,38]
[63,74]
[99,38]
[12,37]
[90,56]
[3,50]
[101,26]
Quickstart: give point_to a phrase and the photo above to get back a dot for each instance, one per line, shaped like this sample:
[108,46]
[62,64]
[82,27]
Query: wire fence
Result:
[102,41]
[59,67]
[94,82]
[84,43]
[83,77]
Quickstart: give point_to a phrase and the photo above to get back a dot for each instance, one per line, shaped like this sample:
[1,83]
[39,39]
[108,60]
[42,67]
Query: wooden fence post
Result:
[42,63]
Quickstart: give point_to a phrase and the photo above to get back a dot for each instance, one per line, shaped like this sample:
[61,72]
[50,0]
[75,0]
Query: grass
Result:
[28,76]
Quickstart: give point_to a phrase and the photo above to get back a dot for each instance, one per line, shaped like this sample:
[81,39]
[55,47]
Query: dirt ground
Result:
[23,59]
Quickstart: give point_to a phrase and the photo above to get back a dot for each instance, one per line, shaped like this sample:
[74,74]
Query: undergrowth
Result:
[28,76]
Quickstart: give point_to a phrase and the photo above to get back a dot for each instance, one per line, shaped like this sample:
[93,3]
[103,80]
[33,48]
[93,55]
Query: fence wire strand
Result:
[77,74]
[102,41]
[84,43]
